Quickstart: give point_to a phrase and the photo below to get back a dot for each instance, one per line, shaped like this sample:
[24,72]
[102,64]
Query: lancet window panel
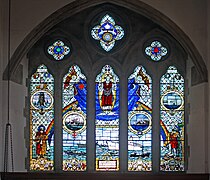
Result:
[74,120]
[172,121]
[107,120]
[139,120]
[42,120]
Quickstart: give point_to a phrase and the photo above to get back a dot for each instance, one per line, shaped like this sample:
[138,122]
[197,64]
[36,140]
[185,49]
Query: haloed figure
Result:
[107,96]
[41,141]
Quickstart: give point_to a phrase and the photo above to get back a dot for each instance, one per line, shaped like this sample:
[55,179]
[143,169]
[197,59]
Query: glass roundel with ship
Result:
[172,121]
[41,120]
[156,51]
[139,120]
[107,32]
[74,120]
[107,120]
[58,50]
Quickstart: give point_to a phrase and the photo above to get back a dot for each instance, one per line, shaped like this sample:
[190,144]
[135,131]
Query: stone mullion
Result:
[156,125]
[58,125]
[90,124]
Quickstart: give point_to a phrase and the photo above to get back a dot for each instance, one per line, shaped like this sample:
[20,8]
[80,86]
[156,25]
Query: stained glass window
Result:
[41,120]
[172,121]
[107,32]
[139,120]
[58,50]
[107,120]
[74,120]
[156,51]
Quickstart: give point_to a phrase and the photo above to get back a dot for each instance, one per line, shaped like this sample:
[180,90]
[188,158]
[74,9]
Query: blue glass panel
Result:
[156,51]
[107,32]
[58,50]
[74,120]
[139,121]
[107,120]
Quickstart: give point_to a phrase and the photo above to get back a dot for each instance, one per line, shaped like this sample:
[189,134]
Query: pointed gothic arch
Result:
[139,7]
[69,24]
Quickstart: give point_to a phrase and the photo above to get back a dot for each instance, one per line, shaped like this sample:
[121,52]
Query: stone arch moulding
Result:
[200,72]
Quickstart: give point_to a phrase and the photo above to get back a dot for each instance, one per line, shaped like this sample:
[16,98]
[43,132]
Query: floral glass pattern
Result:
[156,51]
[172,121]
[74,120]
[41,120]
[58,50]
[139,121]
[107,32]
[107,120]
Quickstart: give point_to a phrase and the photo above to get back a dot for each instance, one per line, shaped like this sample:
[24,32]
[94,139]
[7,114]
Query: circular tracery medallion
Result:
[42,100]
[172,100]
[140,122]
[74,122]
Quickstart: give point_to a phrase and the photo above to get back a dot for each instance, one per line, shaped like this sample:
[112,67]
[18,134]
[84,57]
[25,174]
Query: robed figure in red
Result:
[41,141]
[107,94]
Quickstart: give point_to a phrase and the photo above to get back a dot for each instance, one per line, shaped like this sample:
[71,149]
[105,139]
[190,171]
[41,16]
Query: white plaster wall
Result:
[3,84]
[189,15]
[196,129]
[17,104]
[27,14]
